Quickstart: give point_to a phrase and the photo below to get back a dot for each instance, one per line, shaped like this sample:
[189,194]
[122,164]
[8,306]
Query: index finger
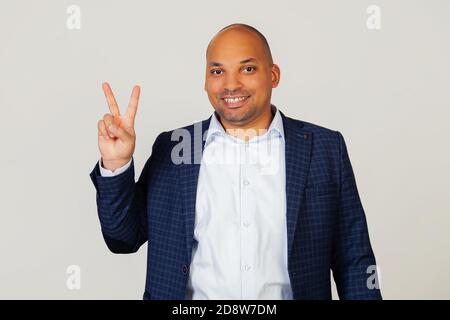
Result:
[113,107]
[133,104]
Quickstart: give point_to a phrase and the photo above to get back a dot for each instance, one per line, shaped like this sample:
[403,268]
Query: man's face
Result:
[239,77]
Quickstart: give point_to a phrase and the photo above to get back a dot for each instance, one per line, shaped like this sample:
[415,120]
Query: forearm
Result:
[119,209]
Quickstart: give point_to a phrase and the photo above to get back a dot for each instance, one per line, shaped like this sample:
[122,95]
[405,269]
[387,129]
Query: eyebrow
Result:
[248,60]
[218,64]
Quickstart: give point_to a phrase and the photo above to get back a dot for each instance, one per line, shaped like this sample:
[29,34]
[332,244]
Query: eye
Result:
[216,72]
[249,69]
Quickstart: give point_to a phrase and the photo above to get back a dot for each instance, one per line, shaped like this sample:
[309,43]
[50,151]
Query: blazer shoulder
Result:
[172,136]
[166,141]
[327,143]
[318,131]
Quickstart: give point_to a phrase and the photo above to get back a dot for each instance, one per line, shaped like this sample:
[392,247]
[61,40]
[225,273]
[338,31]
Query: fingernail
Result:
[112,129]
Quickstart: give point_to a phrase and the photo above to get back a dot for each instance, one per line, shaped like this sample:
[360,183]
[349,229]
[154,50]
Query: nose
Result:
[232,83]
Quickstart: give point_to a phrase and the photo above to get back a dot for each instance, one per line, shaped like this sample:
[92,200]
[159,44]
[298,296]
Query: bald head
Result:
[237,29]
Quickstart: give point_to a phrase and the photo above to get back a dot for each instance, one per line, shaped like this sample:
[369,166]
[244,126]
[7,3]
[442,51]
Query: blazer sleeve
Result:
[122,205]
[353,261]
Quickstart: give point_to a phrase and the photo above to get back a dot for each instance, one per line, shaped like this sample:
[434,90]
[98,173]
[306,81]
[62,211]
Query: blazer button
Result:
[184,269]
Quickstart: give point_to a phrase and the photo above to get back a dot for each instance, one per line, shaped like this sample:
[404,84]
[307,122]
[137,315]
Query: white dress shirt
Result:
[240,217]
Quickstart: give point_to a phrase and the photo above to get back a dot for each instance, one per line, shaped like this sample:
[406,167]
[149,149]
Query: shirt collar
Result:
[275,128]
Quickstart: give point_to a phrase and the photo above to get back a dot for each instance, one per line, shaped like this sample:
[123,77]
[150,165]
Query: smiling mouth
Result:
[235,102]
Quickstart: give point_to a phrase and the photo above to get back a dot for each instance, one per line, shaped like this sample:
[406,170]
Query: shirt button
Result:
[184,269]
[247,267]
[246,182]
[246,224]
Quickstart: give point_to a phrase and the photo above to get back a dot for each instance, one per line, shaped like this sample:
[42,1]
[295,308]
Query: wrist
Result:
[113,165]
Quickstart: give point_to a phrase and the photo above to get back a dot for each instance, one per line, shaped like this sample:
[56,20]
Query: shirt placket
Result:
[247,264]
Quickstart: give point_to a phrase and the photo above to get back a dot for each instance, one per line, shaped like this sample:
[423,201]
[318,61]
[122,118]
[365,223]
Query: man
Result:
[269,228]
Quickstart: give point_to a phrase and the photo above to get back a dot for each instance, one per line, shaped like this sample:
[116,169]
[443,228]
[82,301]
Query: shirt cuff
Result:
[108,173]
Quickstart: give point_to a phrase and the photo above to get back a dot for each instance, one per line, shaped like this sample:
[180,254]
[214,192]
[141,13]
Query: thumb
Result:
[119,132]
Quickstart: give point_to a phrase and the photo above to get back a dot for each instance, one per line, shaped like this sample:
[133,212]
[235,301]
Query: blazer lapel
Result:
[297,158]
[189,179]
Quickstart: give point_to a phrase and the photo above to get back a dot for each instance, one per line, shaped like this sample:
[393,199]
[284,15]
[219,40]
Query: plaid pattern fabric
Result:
[326,224]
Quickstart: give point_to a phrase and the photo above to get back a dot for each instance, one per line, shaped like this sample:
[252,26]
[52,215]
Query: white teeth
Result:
[234,100]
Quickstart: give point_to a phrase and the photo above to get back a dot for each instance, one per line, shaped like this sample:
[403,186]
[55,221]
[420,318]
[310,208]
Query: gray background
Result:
[386,90]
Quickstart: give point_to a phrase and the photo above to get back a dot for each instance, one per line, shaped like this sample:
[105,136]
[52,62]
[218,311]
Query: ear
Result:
[205,83]
[275,75]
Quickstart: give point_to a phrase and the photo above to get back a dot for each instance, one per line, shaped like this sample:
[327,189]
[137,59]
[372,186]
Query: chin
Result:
[236,118]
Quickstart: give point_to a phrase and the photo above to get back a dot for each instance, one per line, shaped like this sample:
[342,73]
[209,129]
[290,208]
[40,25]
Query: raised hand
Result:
[116,135]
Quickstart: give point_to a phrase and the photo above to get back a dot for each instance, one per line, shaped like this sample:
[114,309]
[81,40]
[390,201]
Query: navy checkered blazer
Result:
[326,224]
